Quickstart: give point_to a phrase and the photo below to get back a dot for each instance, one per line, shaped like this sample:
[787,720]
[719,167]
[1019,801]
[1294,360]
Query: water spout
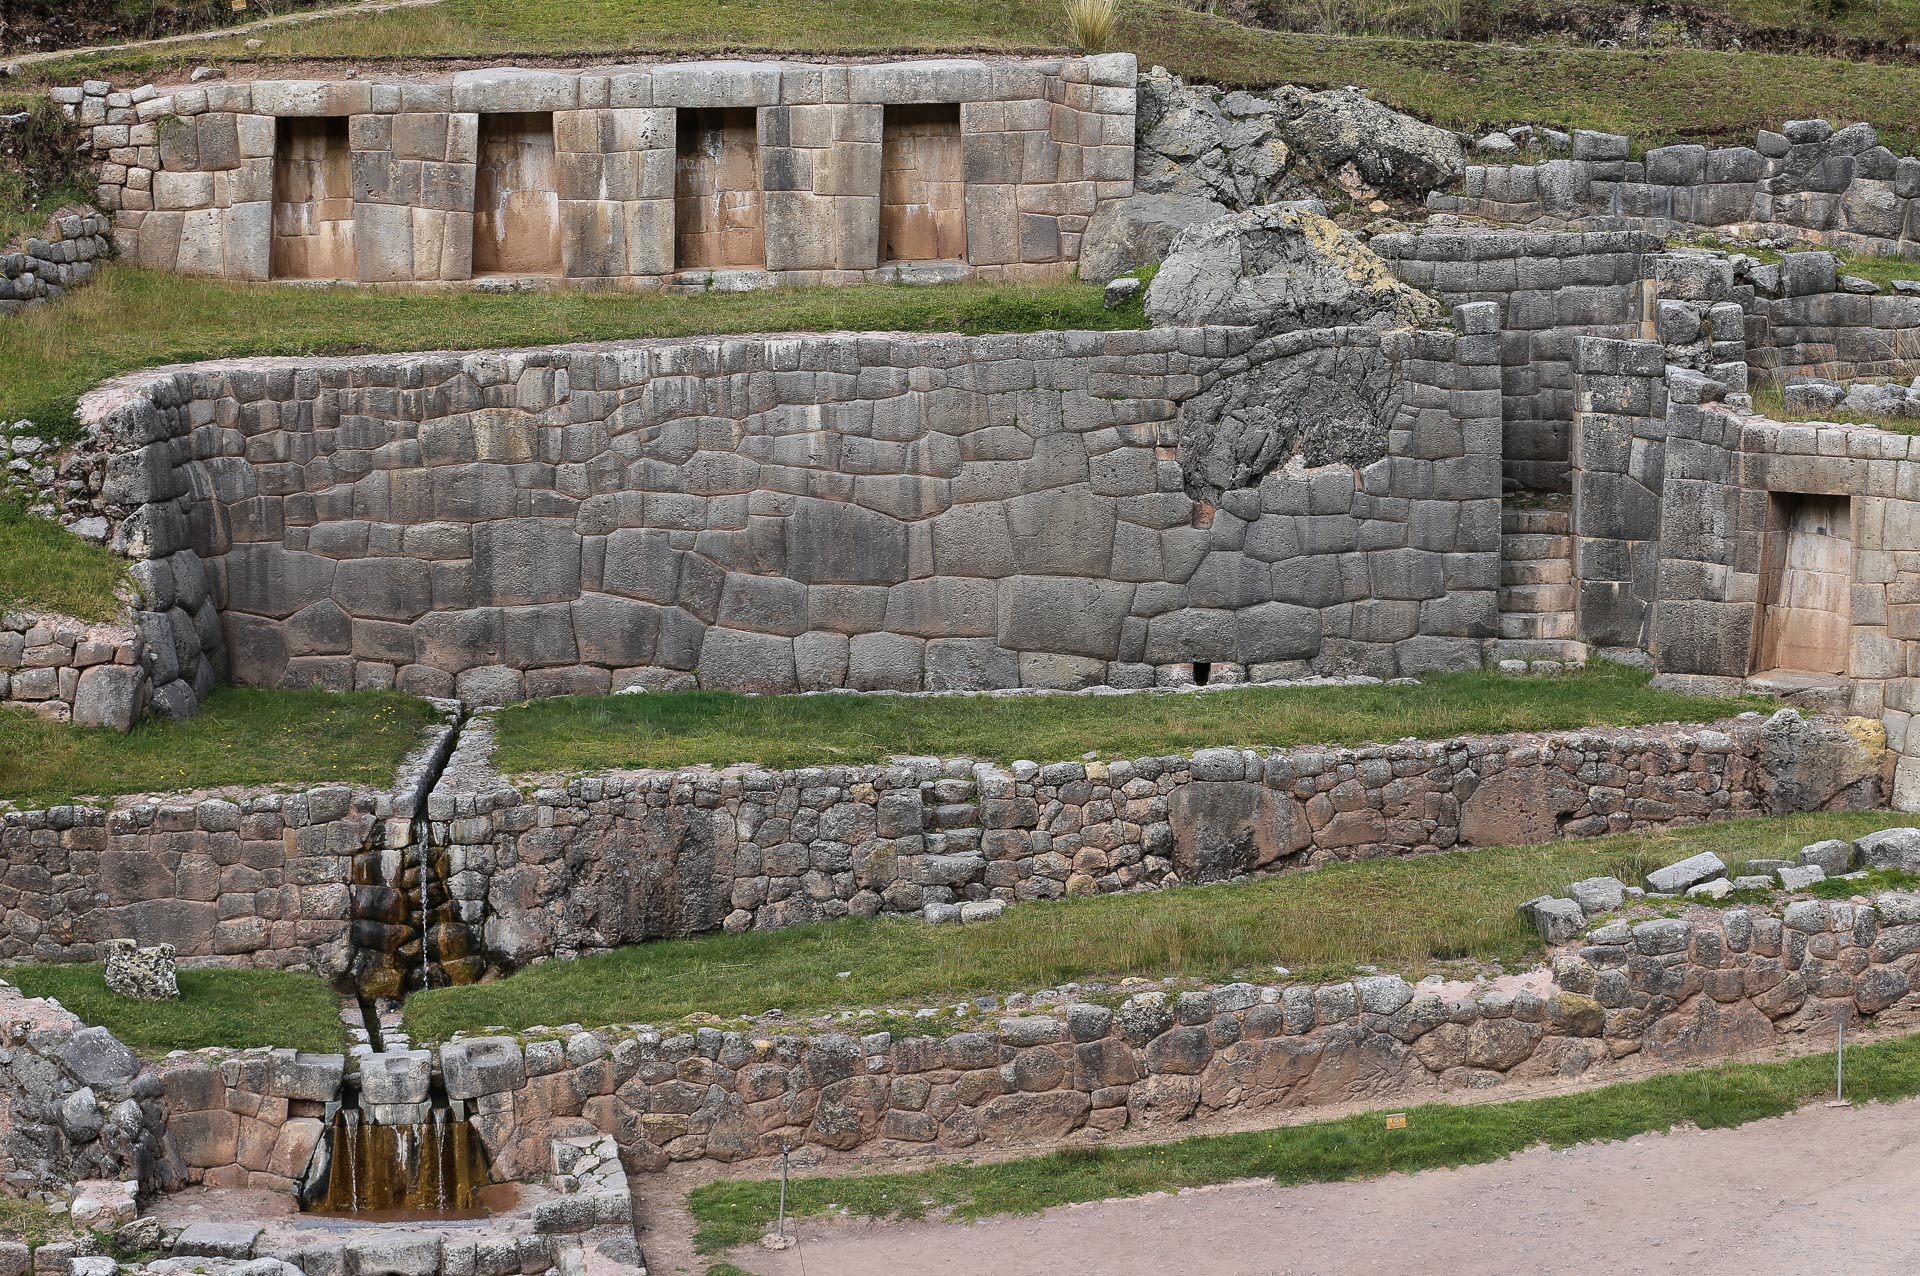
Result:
[430,1167]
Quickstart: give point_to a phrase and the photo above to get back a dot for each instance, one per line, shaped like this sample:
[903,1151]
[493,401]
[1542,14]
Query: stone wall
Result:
[1805,319]
[189,172]
[231,879]
[1631,995]
[1551,288]
[780,514]
[1809,181]
[68,670]
[62,256]
[610,860]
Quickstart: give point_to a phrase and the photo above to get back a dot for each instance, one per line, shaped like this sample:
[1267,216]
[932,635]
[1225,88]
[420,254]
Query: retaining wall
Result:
[71,671]
[63,255]
[1837,187]
[609,860]
[780,514]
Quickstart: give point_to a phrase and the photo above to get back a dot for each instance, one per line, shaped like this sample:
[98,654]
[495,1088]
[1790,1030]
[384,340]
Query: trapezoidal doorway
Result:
[717,218]
[923,185]
[1807,615]
[516,220]
[312,201]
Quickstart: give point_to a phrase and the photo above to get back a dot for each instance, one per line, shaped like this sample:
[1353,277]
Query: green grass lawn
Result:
[1659,95]
[44,567]
[233,1008]
[1399,914]
[738,1212]
[241,736]
[131,318]
[717,728]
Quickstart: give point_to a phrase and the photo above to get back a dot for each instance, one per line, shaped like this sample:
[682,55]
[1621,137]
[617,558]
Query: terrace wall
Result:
[71,671]
[189,173]
[780,514]
[615,859]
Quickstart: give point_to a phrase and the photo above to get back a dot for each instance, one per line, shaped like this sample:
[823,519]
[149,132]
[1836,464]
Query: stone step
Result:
[1532,545]
[1530,521]
[1537,599]
[1524,624]
[1536,571]
[1565,650]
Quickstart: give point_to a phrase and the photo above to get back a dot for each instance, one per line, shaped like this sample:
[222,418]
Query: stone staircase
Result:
[1536,585]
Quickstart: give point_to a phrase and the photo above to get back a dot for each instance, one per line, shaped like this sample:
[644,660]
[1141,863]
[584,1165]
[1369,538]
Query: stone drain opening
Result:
[399,1159]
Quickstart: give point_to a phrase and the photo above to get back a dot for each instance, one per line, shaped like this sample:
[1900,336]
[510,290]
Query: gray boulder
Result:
[1834,856]
[1816,764]
[1281,269]
[1557,920]
[1197,141]
[1688,872]
[1890,848]
[1599,894]
[1393,153]
[1126,234]
[1801,876]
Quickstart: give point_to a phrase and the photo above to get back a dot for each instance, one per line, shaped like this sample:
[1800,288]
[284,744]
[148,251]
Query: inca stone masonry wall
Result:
[69,671]
[779,514]
[616,859]
[189,172]
[1839,187]
[43,267]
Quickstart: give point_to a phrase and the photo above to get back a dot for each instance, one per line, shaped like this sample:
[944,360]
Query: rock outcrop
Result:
[1126,234]
[1281,269]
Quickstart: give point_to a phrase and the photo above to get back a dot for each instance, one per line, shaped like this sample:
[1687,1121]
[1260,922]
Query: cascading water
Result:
[434,1166]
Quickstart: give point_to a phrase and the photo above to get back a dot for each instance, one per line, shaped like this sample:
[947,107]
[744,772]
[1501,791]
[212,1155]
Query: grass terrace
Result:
[1657,95]
[231,1008]
[44,567]
[738,1212]
[715,728]
[241,736]
[1398,914]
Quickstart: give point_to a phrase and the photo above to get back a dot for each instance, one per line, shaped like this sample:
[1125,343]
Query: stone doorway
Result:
[516,221]
[717,217]
[312,201]
[1807,609]
[923,187]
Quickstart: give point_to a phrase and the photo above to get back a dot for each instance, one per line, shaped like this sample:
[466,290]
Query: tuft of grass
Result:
[737,1212]
[44,567]
[230,1008]
[131,318]
[241,736]
[30,1224]
[719,729]
[1399,914]
[1092,23]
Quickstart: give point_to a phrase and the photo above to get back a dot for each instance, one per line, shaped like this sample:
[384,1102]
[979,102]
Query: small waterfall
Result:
[422,831]
[432,1166]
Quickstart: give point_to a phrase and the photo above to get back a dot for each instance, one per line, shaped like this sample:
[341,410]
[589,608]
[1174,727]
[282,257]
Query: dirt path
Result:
[1822,1189]
[220,33]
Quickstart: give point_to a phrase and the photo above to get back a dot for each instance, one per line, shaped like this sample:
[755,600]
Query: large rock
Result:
[1390,152]
[1890,848]
[1227,828]
[1520,806]
[1126,234]
[1688,872]
[1822,763]
[1281,269]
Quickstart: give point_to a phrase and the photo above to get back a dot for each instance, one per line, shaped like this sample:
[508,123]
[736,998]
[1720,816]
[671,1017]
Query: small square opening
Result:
[312,201]
[516,219]
[923,186]
[717,220]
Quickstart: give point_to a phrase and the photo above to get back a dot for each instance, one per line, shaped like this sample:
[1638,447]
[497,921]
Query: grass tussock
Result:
[716,728]
[1092,23]
[1400,914]
[242,736]
[132,318]
[31,1224]
[731,1213]
[44,567]
[230,1008]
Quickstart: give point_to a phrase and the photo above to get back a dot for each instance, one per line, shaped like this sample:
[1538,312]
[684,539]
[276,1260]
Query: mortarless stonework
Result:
[609,860]
[189,172]
[779,514]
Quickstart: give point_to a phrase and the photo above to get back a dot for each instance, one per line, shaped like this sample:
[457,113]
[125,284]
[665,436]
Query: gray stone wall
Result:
[188,172]
[780,514]
[1805,319]
[62,256]
[610,860]
[1619,464]
[70,671]
[1551,288]
[1811,181]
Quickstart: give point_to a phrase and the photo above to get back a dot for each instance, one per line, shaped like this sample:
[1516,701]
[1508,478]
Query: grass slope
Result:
[733,1213]
[232,1008]
[131,318]
[1400,914]
[44,567]
[685,728]
[241,736]
[1660,95]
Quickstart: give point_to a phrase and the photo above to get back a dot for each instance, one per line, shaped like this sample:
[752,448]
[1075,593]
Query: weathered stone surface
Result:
[1126,234]
[144,974]
[1687,872]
